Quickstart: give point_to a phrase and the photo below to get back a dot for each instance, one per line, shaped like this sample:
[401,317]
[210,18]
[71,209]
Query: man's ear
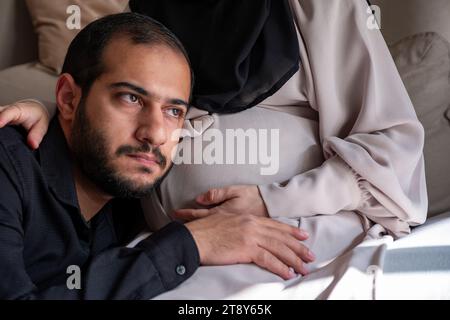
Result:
[68,96]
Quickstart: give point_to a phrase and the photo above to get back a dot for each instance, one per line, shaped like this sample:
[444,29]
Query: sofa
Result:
[417,31]
[22,76]
[418,35]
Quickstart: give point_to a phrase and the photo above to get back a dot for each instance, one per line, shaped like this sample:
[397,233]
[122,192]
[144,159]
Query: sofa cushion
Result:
[423,61]
[27,81]
[49,20]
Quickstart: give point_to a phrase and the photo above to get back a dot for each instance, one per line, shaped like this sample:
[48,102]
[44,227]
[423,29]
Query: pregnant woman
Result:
[347,142]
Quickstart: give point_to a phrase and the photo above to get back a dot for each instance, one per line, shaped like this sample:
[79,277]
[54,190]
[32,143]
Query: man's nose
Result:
[152,127]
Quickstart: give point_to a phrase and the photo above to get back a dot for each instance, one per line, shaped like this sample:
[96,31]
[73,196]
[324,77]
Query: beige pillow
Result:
[49,19]
[423,61]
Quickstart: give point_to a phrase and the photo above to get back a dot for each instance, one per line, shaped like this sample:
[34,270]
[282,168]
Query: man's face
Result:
[123,132]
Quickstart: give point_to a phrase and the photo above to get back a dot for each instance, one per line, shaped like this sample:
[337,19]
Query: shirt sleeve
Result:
[371,137]
[157,264]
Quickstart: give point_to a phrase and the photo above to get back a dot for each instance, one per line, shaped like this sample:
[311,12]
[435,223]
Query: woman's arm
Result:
[30,114]
[370,134]
[372,139]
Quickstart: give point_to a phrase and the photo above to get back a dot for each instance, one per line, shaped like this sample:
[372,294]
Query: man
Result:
[66,209]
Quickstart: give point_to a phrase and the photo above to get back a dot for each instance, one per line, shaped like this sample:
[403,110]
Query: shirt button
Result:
[181,270]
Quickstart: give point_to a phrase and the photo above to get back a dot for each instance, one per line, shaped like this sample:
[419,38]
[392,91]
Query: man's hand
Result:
[30,115]
[227,238]
[234,199]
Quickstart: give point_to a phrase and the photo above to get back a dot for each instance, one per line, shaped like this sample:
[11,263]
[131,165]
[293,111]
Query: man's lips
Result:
[145,159]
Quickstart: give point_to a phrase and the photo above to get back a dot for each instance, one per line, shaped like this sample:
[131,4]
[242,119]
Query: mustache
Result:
[145,148]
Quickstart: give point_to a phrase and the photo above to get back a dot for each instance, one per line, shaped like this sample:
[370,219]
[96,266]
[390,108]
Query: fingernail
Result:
[304,271]
[303,233]
[292,273]
[311,255]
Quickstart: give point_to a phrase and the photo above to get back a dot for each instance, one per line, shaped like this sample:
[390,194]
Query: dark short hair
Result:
[84,57]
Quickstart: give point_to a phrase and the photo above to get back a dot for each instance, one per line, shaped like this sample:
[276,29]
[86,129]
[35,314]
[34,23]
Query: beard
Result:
[90,149]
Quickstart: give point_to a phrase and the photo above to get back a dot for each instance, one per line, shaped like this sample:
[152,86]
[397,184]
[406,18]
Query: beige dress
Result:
[350,144]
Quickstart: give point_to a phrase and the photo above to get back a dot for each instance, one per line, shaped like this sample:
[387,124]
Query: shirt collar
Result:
[56,164]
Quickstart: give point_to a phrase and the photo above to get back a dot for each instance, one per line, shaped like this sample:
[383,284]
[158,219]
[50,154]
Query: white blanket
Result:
[414,267]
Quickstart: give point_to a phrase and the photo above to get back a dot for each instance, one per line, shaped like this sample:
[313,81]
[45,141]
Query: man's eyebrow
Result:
[131,86]
[145,93]
[179,102]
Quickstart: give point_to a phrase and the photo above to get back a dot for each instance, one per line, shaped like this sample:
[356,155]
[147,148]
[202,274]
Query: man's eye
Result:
[175,112]
[130,98]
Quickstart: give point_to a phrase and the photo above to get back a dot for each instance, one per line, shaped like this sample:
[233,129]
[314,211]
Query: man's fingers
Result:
[215,196]
[299,233]
[37,133]
[294,244]
[281,251]
[192,214]
[268,261]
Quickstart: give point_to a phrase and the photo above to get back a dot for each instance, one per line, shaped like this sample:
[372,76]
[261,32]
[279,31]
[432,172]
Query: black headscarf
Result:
[242,51]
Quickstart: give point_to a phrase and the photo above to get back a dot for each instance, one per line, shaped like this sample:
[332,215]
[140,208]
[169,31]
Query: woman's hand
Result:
[29,114]
[233,199]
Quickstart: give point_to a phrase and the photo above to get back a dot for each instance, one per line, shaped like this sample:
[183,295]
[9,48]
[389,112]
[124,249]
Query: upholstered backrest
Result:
[18,42]
[402,18]
[423,61]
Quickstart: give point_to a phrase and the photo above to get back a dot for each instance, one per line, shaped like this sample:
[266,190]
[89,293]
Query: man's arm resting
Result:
[157,264]
[161,262]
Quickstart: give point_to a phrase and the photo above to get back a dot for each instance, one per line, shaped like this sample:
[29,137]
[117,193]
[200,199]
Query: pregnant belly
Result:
[257,146]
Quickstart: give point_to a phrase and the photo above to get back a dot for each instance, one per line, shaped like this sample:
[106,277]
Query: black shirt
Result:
[42,233]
